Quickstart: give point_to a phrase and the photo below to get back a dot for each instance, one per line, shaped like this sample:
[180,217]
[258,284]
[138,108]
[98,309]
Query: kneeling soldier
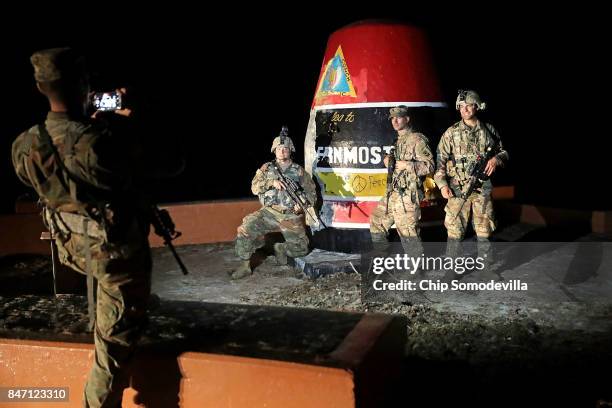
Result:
[279,211]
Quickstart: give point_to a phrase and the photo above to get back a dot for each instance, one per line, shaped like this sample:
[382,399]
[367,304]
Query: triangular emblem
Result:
[336,78]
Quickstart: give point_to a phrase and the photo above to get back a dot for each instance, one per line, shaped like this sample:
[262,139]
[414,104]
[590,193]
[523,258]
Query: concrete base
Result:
[200,355]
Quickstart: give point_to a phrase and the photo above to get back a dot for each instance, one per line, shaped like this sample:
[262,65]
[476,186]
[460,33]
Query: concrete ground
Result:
[550,345]
[569,283]
[208,280]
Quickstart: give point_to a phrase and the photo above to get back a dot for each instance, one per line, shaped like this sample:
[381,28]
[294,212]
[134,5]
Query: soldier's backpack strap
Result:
[46,138]
[69,162]
[456,141]
[73,181]
[494,136]
[91,301]
[71,187]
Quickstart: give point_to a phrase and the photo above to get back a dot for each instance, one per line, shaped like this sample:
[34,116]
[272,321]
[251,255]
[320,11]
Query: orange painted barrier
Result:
[207,222]
[216,221]
[202,380]
[357,372]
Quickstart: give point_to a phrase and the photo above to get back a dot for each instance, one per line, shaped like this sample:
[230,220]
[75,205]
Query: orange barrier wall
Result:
[361,370]
[207,222]
[216,221]
[204,380]
[20,234]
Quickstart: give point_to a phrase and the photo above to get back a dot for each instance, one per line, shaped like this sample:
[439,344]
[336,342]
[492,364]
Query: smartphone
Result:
[106,101]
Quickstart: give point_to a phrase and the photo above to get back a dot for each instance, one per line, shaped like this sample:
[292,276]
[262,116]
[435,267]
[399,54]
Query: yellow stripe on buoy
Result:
[353,184]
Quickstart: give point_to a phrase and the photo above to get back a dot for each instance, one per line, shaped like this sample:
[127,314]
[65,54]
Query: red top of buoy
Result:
[377,61]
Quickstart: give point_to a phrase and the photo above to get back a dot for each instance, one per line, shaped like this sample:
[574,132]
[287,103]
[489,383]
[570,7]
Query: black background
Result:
[220,85]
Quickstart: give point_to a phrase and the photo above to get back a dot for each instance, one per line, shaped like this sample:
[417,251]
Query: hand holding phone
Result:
[107,101]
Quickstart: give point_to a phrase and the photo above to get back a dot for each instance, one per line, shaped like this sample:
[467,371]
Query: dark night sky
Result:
[220,86]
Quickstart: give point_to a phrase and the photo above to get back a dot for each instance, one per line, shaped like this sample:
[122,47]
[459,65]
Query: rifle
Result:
[477,175]
[298,196]
[390,170]
[164,227]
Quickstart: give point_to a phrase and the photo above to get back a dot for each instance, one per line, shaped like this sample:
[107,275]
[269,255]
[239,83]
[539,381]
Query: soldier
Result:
[414,161]
[278,211]
[82,176]
[458,150]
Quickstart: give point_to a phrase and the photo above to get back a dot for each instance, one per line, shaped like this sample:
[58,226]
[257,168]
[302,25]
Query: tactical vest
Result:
[405,182]
[467,145]
[276,198]
[72,206]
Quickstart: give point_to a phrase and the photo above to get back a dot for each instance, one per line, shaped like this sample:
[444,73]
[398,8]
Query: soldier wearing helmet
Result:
[459,149]
[278,210]
[283,139]
[414,161]
[469,97]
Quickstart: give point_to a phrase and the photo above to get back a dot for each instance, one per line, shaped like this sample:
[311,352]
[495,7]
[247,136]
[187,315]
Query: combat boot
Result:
[487,255]
[380,249]
[242,271]
[414,249]
[280,252]
[454,248]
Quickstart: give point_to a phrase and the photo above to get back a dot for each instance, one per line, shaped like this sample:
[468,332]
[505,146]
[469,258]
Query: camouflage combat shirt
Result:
[414,148]
[100,181]
[262,186]
[458,152]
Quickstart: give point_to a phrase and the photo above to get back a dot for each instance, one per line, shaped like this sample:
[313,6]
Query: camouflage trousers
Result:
[256,225]
[402,211]
[457,217]
[124,286]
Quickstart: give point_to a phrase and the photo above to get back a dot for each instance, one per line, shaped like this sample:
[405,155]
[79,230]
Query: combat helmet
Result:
[283,139]
[470,97]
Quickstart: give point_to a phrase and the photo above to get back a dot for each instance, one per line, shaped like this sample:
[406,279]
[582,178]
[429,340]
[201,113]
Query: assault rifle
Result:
[164,227]
[477,176]
[298,195]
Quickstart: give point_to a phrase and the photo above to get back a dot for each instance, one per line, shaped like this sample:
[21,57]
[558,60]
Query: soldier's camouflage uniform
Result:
[404,209]
[276,213]
[457,153]
[98,226]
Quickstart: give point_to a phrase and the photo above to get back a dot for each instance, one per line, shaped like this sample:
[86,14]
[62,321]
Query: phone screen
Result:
[107,101]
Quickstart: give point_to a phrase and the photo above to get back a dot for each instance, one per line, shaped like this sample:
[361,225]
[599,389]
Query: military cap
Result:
[56,63]
[398,111]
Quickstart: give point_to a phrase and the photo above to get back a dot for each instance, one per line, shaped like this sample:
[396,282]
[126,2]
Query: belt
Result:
[74,223]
